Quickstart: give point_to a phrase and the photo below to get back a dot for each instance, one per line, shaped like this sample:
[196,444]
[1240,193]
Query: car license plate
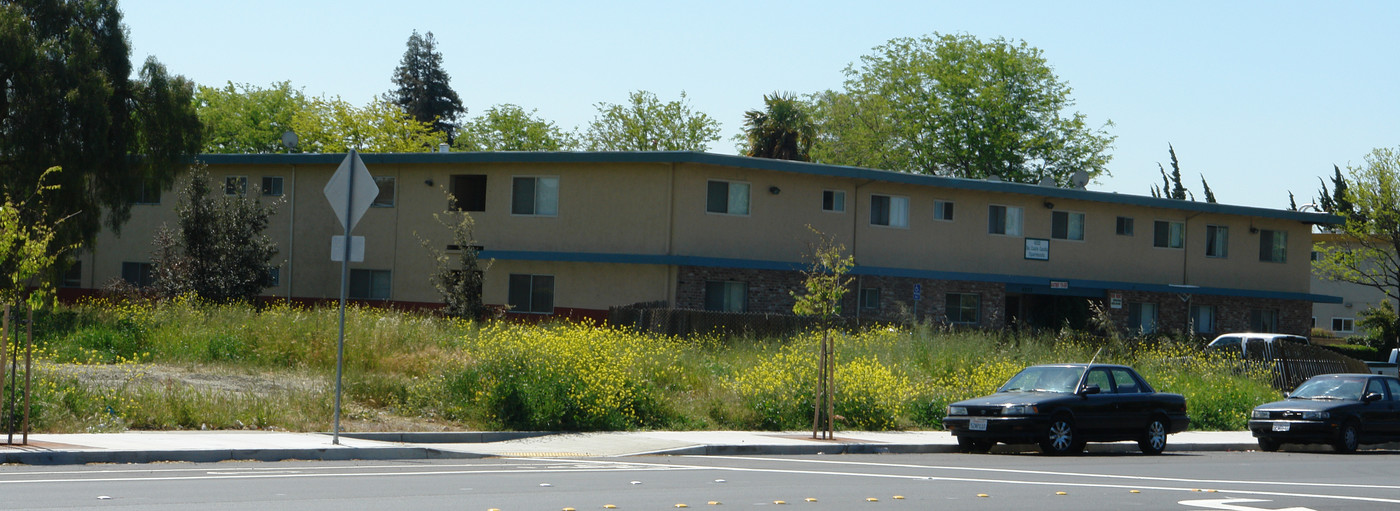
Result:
[1281,426]
[977,424]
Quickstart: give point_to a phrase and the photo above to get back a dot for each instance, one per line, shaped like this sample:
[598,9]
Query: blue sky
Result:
[1261,97]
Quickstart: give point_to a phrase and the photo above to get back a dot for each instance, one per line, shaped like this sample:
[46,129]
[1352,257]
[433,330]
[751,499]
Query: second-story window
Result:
[1067,226]
[537,196]
[385,199]
[727,197]
[1273,246]
[1217,241]
[1004,220]
[943,210]
[833,201]
[236,185]
[889,211]
[1166,234]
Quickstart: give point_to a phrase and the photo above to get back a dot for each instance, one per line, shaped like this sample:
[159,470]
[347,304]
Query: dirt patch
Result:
[220,379]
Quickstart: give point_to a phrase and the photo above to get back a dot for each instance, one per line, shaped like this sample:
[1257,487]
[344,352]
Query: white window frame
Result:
[1197,326]
[866,293]
[1070,217]
[235,186]
[838,201]
[1012,226]
[897,215]
[530,299]
[393,192]
[941,206]
[267,181]
[1348,325]
[539,198]
[1180,238]
[732,207]
[1221,241]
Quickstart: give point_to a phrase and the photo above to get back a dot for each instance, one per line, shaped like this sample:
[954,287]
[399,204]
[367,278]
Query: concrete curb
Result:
[217,455]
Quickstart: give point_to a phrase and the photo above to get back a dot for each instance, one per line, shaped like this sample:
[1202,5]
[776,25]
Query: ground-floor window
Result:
[531,293]
[1263,320]
[369,284]
[726,296]
[1344,325]
[1142,317]
[138,274]
[1203,319]
[963,308]
[870,298]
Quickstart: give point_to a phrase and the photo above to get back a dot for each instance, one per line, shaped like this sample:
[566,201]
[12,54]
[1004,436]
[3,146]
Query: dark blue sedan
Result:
[1341,410]
[1063,406]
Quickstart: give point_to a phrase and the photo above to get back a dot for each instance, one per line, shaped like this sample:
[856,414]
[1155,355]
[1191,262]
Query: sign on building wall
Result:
[1115,300]
[1038,249]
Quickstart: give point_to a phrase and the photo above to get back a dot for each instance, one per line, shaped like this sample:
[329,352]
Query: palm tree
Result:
[783,131]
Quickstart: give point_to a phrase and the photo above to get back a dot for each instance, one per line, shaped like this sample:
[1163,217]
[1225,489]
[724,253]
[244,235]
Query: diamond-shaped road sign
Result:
[339,192]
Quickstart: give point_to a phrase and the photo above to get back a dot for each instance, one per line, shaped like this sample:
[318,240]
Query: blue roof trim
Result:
[1028,284]
[765,164]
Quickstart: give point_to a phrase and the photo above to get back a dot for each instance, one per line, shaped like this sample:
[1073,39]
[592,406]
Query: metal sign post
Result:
[352,186]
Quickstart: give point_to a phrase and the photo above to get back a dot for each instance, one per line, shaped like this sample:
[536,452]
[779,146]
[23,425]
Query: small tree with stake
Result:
[825,285]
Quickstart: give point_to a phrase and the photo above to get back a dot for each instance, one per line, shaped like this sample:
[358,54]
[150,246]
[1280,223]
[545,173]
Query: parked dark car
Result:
[1342,410]
[1063,406]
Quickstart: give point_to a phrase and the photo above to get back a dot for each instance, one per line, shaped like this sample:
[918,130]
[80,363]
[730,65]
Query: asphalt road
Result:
[1228,480]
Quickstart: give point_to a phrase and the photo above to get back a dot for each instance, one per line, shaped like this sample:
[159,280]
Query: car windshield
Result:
[1044,379]
[1330,388]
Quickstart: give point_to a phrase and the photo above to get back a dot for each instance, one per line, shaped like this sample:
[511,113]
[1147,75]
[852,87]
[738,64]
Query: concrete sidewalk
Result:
[213,446]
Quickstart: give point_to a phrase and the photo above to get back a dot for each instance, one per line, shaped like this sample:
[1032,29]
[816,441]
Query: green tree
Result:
[955,105]
[27,249]
[422,87]
[825,283]
[510,128]
[782,130]
[1172,188]
[67,99]
[242,118]
[219,251]
[457,277]
[1335,201]
[647,124]
[336,126]
[1368,252]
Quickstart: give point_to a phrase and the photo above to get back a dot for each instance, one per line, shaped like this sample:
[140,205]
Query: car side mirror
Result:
[1371,396]
[1092,388]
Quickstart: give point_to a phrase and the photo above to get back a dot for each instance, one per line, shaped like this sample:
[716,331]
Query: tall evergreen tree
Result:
[220,252]
[67,99]
[422,86]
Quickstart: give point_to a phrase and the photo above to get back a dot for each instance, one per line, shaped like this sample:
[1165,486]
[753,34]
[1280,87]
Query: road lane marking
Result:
[1069,474]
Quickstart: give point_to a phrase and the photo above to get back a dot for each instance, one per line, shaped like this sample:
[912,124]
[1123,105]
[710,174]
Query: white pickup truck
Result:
[1391,368]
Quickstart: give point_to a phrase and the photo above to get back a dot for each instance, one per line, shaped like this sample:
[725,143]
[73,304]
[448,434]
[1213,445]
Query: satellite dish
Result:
[1047,181]
[1079,179]
[994,178]
[289,140]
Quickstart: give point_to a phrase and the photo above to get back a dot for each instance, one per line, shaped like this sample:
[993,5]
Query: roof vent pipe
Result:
[444,148]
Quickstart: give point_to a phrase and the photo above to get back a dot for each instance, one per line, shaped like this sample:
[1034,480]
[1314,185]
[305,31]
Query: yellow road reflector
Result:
[810,499]
[983,495]
[780,502]
[1134,491]
[681,505]
[569,509]
[1061,493]
[609,506]
[713,502]
[872,499]
[898,497]
[1212,491]
[1195,489]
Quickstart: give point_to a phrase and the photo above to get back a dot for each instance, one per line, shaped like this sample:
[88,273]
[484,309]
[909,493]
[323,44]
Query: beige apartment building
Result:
[573,233]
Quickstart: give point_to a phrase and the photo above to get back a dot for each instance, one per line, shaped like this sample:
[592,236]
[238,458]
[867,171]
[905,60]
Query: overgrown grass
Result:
[561,376]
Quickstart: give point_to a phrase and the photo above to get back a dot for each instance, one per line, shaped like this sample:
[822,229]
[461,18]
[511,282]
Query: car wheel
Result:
[1347,438]
[1154,439]
[1268,444]
[1060,438]
[974,445]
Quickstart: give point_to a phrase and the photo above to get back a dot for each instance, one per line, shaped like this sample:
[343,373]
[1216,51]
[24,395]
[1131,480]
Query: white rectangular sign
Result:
[1038,249]
[357,249]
